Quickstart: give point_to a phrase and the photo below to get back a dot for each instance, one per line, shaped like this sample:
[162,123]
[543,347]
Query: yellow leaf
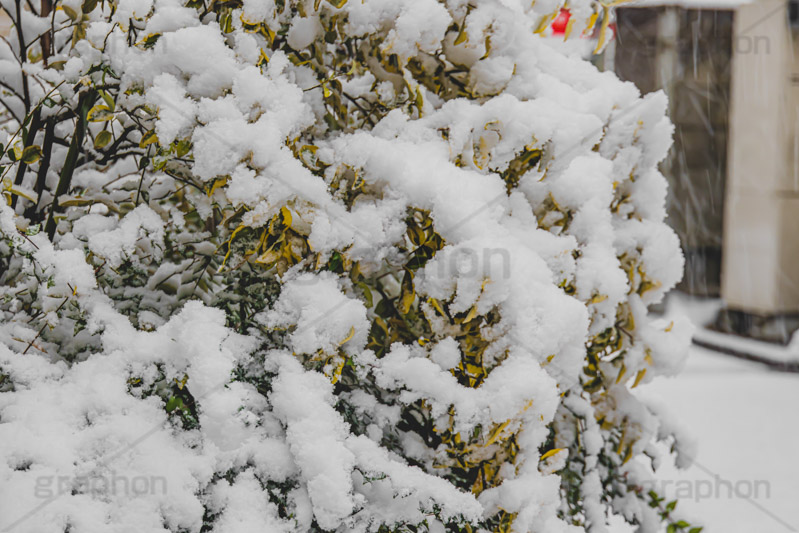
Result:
[268,257]
[544,24]
[569,26]
[462,37]
[218,182]
[471,315]
[591,23]
[349,337]
[286,214]
[639,377]
[621,373]
[495,435]
[229,242]
[603,30]
[475,370]
[406,298]
[21,194]
[597,298]
[73,202]
[149,138]
[628,455]
[99,113]
[437,306]
[552,452]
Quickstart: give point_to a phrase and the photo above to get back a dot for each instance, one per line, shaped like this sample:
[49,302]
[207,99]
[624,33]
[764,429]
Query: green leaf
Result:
[383,309]
[14,153]
[31,154]
[671,505]
[226,23]
[109,100]
[149,41]
[407,293]
[71,13]
[367,293]
[78,33]
[174,403]
[88,6]
[336,263]
[182,147]
[102,139]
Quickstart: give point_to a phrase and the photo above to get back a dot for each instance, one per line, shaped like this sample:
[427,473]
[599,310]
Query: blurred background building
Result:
[731,72]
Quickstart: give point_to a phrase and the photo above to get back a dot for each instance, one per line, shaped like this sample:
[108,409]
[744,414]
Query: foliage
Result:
[424,243]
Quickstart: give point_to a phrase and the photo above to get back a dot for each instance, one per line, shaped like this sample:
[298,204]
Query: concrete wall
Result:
[760,271]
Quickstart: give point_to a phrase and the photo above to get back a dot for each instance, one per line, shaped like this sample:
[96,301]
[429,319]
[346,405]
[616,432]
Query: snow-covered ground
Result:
[746,474]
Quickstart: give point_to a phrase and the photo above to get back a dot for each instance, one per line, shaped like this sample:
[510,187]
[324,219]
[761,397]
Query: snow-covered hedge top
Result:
[327,266]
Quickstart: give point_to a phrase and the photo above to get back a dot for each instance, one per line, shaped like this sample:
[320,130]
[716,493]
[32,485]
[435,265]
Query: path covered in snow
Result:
[746,474]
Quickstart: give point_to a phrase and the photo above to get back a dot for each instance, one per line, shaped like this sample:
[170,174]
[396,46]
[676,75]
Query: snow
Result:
[316,435]
[741,415]
[117,244]
[324,317]
[272,410]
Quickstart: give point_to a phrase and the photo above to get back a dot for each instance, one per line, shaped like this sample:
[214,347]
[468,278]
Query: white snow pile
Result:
[366,266]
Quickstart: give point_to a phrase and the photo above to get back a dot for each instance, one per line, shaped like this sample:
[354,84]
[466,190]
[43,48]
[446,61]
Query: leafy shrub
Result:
[329,266]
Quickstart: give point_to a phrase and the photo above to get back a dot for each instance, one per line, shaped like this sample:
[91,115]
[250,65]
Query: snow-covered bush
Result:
[311,265]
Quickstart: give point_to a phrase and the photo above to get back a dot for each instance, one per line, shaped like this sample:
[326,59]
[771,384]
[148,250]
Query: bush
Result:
[328,266]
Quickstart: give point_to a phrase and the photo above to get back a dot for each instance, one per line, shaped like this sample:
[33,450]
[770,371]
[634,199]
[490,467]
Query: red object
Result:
[560,22]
